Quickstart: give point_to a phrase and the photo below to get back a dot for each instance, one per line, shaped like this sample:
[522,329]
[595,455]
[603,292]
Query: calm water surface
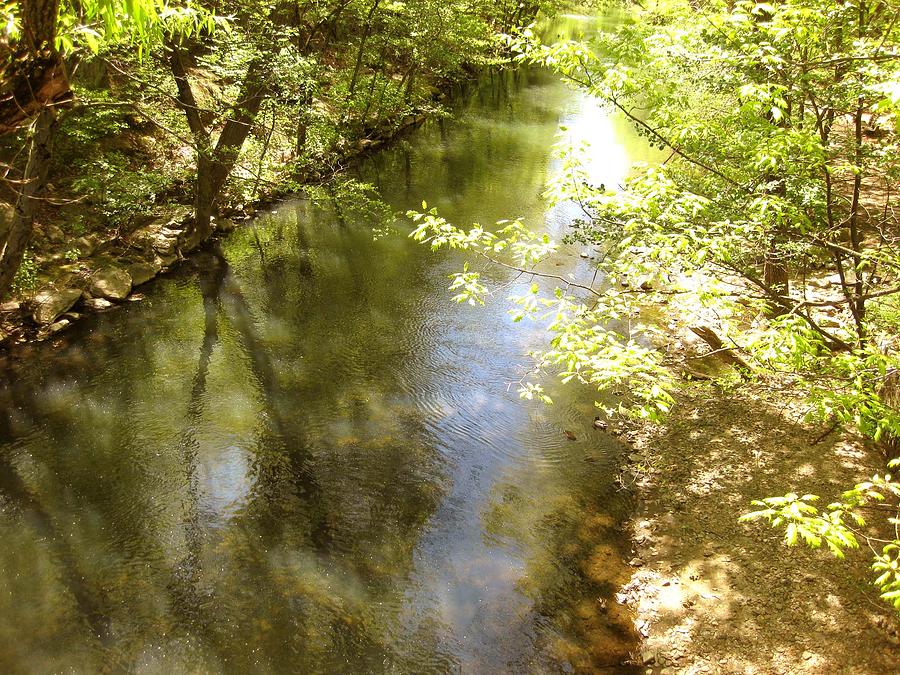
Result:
[309,460]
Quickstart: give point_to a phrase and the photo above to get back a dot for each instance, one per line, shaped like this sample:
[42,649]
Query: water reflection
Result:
[311,461]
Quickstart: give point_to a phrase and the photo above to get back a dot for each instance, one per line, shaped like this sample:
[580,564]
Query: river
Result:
[305,458]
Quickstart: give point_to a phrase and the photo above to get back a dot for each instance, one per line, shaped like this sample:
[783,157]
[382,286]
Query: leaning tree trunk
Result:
[213,171]
[19,232]
[357,68]
[215,163]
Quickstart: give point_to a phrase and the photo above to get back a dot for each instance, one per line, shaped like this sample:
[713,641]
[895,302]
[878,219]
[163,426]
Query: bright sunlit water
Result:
[309,459]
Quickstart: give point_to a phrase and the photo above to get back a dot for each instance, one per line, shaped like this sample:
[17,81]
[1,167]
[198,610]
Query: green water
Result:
[309,460]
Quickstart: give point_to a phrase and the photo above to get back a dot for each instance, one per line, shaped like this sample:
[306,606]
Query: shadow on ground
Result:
[716,595]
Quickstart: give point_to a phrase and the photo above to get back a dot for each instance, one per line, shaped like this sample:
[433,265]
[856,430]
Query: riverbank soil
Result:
[714,595]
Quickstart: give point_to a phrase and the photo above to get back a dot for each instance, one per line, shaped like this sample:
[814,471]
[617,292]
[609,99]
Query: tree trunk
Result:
[775,273]
[205,192]
[214,164]
[362,45]
[33,76]
[19,233]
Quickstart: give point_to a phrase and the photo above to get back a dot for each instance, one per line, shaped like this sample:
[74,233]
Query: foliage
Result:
[771,218]
[26,276]
[587,343]
[834,526]
[95,24]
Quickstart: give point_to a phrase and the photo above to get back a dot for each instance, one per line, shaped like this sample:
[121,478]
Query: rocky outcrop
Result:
[142,272]
[50,304]
[87,245]
[160,235]
[97,304]
[111,283]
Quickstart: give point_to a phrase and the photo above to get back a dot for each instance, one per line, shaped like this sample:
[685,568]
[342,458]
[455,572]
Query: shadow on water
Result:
[310,460]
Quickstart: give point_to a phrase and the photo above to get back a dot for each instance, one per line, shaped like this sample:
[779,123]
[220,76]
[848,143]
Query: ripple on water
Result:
[350,484]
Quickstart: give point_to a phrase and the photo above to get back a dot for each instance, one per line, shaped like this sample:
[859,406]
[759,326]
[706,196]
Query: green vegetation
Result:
[770,226]
[120,106]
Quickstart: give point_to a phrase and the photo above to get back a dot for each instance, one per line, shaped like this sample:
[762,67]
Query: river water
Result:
[307,459]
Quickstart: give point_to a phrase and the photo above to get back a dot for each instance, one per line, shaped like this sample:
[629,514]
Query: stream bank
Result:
[713,595]
[110,261]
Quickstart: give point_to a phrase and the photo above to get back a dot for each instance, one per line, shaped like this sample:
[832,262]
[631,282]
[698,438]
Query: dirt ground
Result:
[713,595]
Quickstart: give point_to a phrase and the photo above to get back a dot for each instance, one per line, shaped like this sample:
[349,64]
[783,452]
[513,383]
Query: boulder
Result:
[165,260]
[165,242]
[161,234]
[54,233]
[111,283]
[365,144]
[97,304]
[142,272]
[49,304]
[62,324]
[87,245]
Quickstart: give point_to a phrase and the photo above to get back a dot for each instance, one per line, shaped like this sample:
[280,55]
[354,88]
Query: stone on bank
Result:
[111,283]
[49,304]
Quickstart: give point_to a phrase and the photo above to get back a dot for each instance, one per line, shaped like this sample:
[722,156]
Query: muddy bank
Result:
[713,595]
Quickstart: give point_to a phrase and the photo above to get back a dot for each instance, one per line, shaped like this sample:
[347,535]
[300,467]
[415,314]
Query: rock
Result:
[410,120]
[11,306]
[62,324]
[142,272]
[179,215]
[49,304]
[111,283]
[87,245]
[98,304]
[164,243]
[365,144]
[600,424]
[161,234]
[225,225]
[165,260]
[54,233]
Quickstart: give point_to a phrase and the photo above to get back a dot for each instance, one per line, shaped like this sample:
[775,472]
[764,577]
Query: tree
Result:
[38,37]
[216,159]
